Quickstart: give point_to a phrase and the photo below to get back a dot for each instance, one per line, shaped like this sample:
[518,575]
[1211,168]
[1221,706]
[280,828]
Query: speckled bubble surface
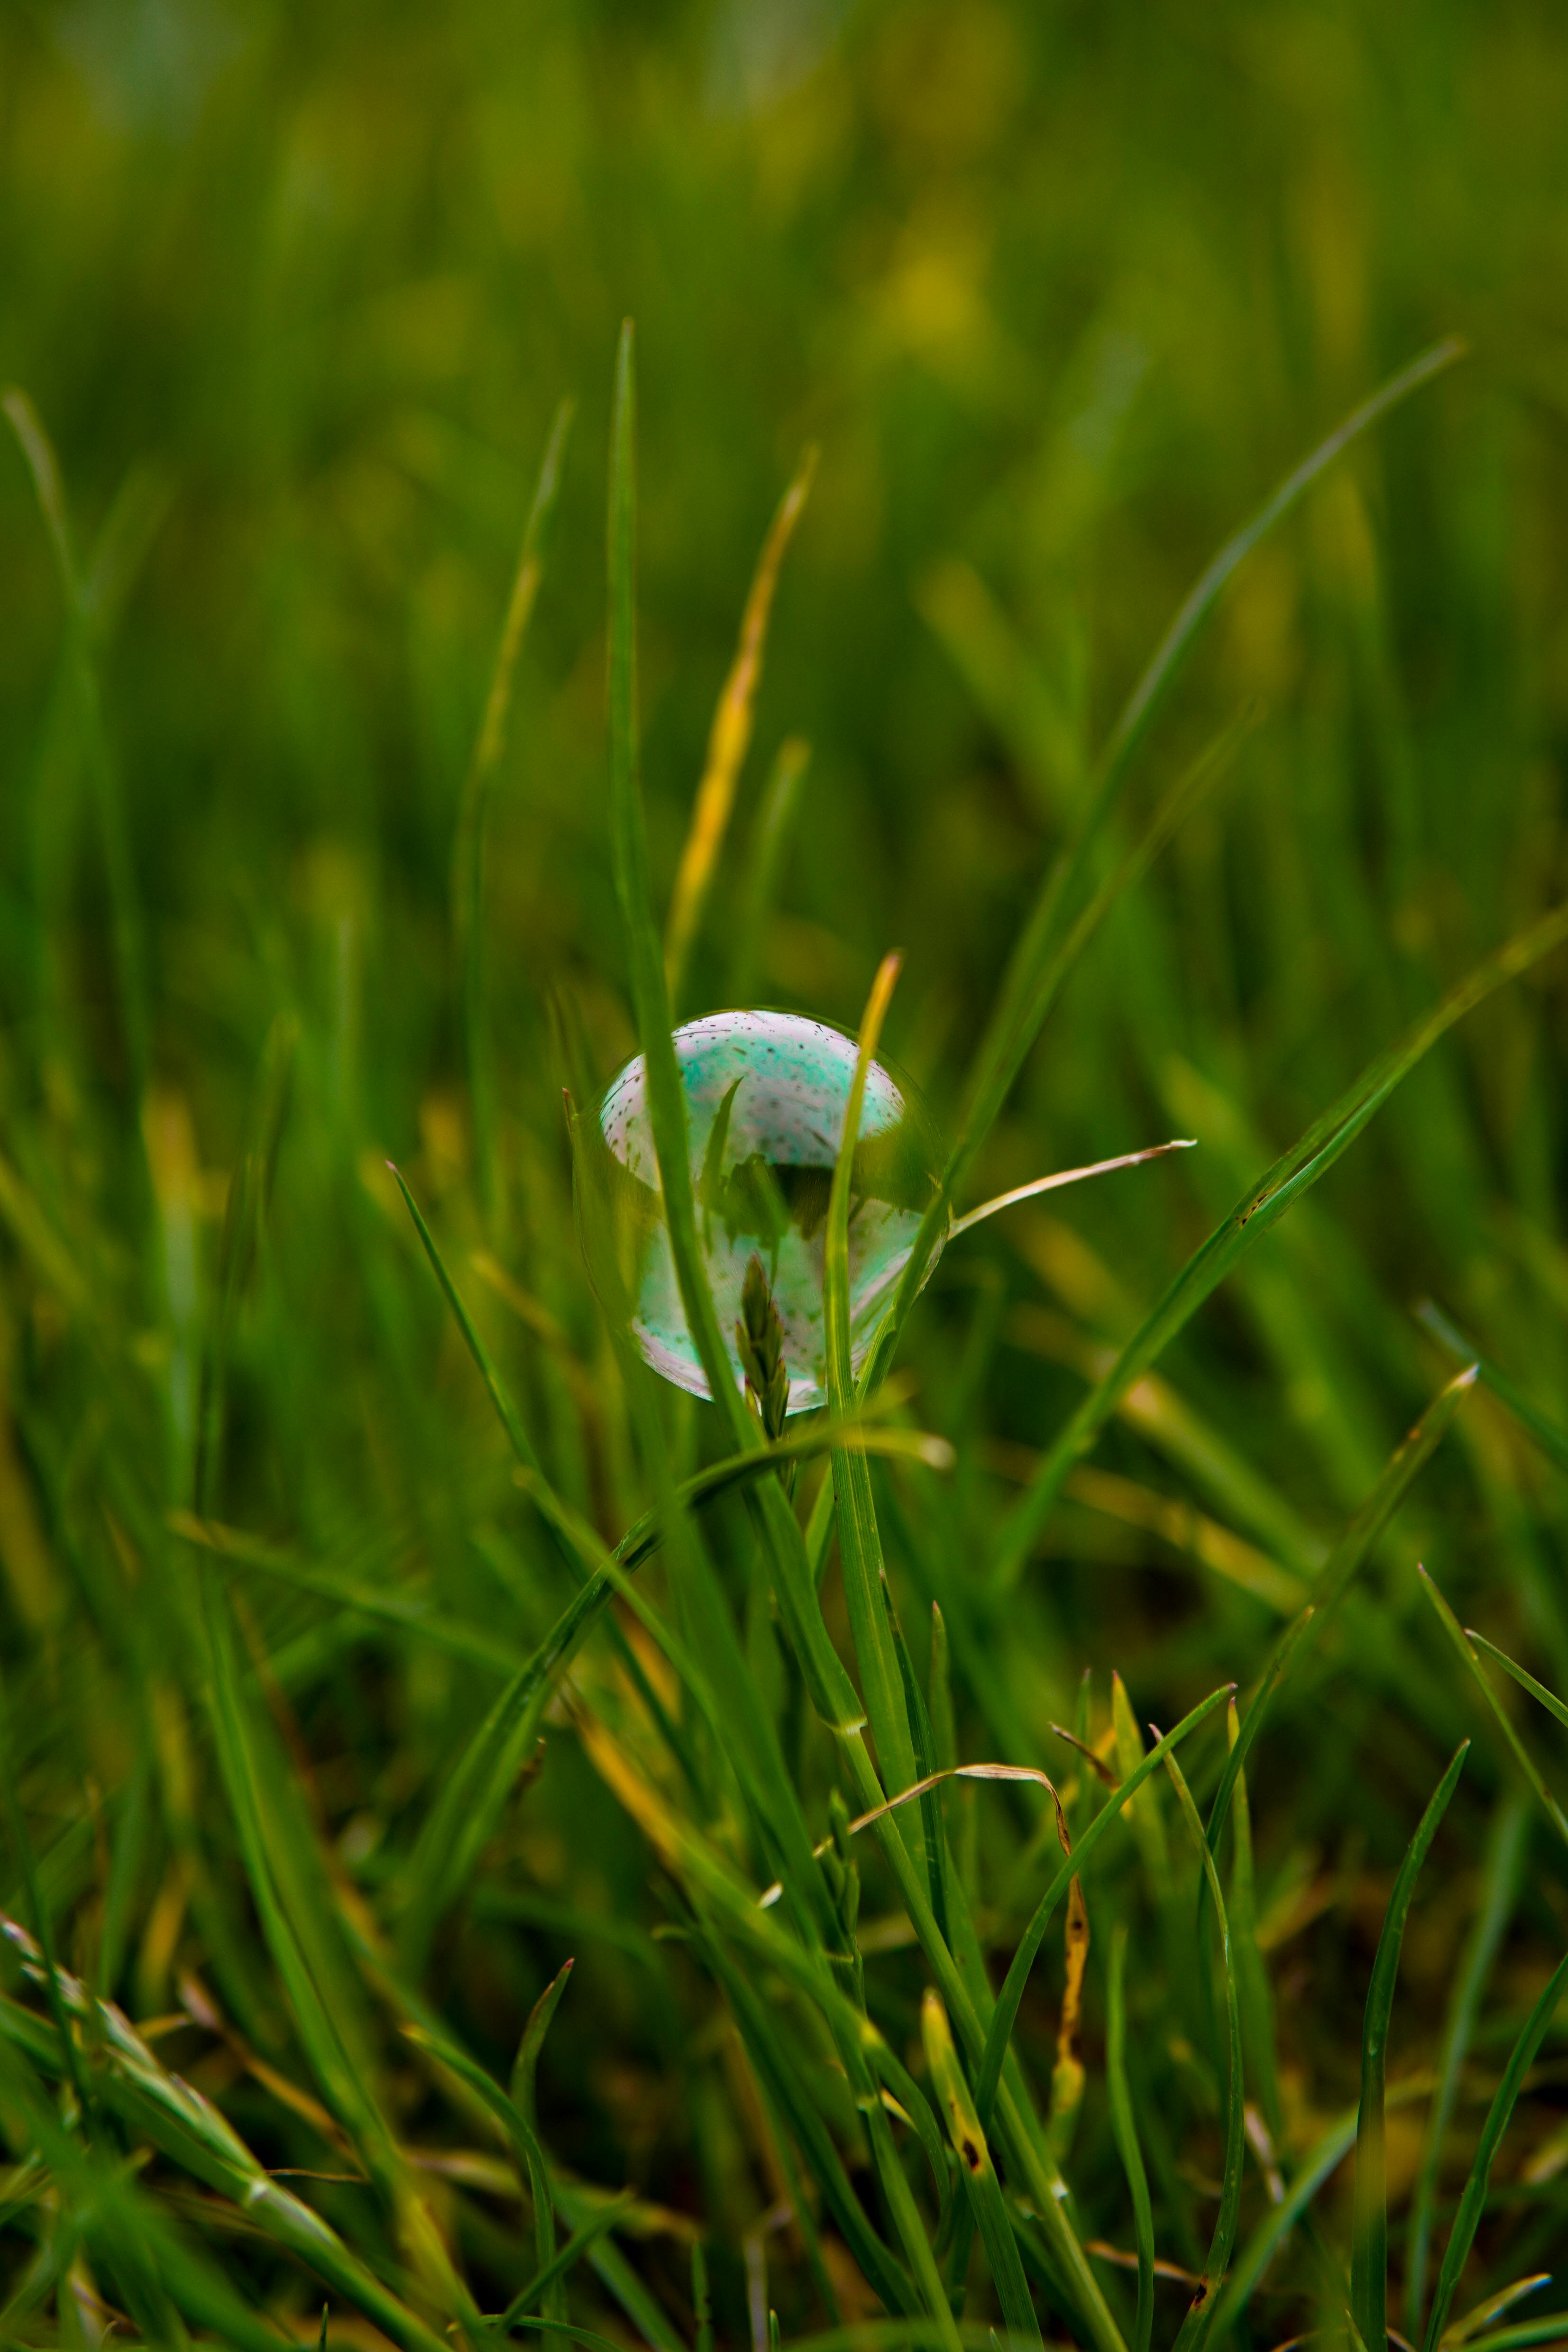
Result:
[766,1096]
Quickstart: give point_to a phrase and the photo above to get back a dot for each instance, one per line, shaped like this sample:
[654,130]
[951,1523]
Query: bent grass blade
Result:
[1517,1749]
[1292,1176]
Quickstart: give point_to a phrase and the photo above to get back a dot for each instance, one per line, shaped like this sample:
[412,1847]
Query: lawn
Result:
[1031,538]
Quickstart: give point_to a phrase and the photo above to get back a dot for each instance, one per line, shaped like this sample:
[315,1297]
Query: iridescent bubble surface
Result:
[766,1096]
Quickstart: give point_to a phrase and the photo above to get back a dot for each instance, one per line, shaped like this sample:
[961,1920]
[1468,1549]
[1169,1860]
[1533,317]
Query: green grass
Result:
[445,1776]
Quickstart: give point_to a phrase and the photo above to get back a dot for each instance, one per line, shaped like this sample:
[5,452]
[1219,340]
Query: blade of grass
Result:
[1552,1440]
[1369,2239]
[979,2173]
[576,2246]
[1527,1681]
[1252,1978]
[1349,1555]
[524,2095]
[1195,2328]
[468,842]
[404,1613]
[1293,1175]
[170,2113]
[1517,1747]
[1472,2203]
[126,927]
[859,1540]
[1012,1992]
[1507,1847]
[1125,2128]
[730,735]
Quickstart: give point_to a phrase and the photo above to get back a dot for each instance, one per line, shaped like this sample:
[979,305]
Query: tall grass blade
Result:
[859,1541]
[1368,2233]
[126,924]
[1125,2128]
[1195,2328]
[1517,1749]
[1349,1555]
[468,842]
[1472,2203]
[980,2180]
[1506,1848]
[730,735]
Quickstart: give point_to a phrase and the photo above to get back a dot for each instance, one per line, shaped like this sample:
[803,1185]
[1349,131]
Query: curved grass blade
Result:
[1506,1850]
[729,737]
[1053,1183]
[523,2094]
[1323,2161]
[506,1411]
[1195,2326]
[979,2173]
[1517,1749]
[1347,1555]
[1012,1992]
[1125,2125]
[1551,1439]
[405,1613]
[163,2108]
[1473,2202]
[555,2270]
[468,843]
[1527,1681]
[509,2112]
[1369,2238]
[1293,1175]
[855,1433]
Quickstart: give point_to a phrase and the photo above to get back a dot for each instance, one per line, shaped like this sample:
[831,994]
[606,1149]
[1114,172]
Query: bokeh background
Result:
[1060,291]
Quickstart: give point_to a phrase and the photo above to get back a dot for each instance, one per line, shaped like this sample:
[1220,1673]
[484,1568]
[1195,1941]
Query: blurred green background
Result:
[1062,292]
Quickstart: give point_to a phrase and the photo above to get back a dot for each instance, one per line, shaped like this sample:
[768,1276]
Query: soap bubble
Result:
[766,1096]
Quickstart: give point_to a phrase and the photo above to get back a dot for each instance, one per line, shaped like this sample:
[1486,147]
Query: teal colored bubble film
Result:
[766,1096]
